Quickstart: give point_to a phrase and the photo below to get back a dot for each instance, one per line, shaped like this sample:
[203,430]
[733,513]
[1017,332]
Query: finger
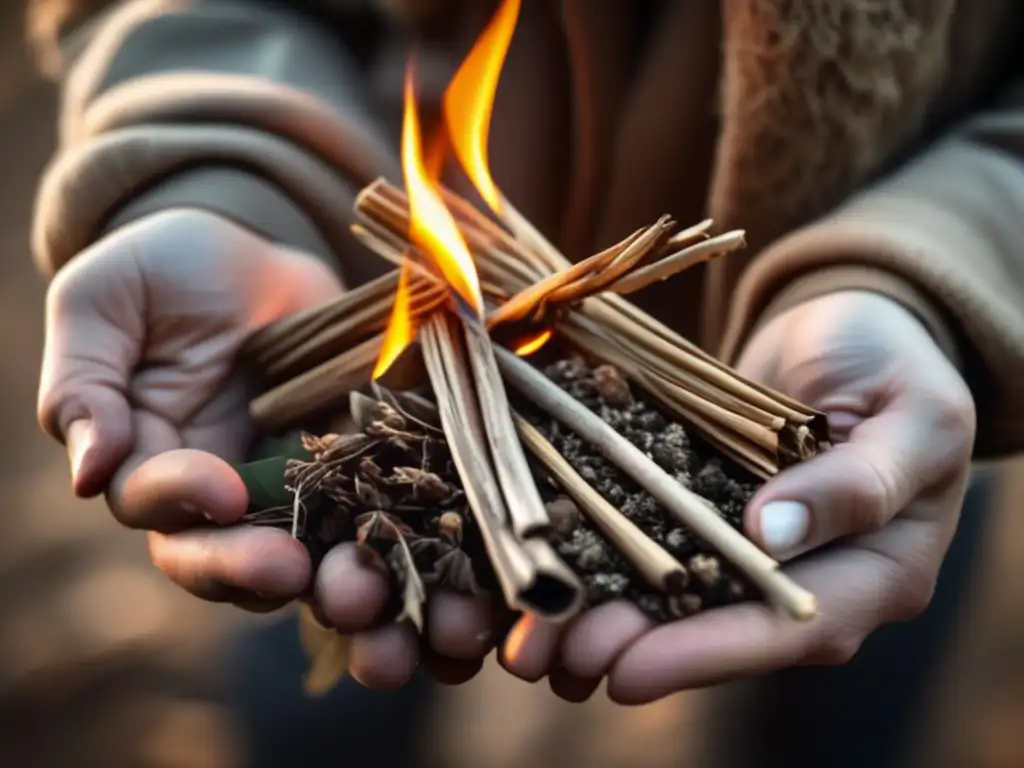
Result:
[529,648]
[567,686]
[94,332]
[448,671]
[219,564]
[859,589]
[351,588]
[176,488]
[916,445]
[596,639]
[385,658]
[461,626]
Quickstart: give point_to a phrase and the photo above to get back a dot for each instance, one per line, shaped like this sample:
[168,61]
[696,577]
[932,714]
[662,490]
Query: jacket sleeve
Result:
[252,110]
[944,236]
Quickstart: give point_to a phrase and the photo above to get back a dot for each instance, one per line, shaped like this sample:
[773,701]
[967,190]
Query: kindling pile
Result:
[617,468]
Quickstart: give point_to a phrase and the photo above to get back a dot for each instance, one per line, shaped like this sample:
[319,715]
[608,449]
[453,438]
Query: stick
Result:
[531,577]
[688,507]
[528,516]
[657,566]
[326,386]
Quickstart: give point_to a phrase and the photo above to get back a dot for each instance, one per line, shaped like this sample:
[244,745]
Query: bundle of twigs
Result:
[313,362]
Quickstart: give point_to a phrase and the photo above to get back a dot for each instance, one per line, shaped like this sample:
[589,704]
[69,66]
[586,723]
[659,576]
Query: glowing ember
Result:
[469,99]
[534,343]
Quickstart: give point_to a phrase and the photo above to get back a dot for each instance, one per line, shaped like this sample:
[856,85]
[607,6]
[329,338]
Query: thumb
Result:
[94,332]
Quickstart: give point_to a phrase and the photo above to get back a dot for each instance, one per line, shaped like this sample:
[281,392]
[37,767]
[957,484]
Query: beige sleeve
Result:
[945,236]
[251,110]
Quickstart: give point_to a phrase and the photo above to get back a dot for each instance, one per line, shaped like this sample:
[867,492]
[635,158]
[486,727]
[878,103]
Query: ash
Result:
[691,462]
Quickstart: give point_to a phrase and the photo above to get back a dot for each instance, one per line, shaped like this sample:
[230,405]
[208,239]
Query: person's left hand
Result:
[886,498]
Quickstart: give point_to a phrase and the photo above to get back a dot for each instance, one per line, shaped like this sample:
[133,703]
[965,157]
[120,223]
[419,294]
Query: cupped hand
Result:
[869,521]
[139,381]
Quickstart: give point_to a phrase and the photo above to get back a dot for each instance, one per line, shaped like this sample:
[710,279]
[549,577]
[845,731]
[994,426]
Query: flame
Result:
[431,226]
[469,99]
[533,343]
[468,103]
[401,328]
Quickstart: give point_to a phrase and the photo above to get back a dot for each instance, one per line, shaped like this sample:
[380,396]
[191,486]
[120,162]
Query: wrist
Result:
[841,279]
[235,194]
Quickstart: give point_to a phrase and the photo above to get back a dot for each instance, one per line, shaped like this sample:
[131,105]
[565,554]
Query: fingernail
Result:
[79,437]
[784,525]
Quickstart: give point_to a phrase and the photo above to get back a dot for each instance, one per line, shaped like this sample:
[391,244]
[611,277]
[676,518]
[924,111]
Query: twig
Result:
[527,513]
[530,575]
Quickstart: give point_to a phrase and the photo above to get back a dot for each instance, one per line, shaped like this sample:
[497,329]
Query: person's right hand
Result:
[142,331]
[138,380]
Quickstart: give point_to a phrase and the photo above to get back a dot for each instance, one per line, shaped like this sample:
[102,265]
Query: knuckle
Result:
[913,599]
[50,404]
[957,421]
[871,497]
[69,290]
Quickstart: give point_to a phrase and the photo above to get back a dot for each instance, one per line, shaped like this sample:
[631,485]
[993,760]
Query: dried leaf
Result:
[412,407]
[414,594]
[426,486]
[380,530]
[327,650]
[455,571]
[363,409]
[369,496]
[388,534]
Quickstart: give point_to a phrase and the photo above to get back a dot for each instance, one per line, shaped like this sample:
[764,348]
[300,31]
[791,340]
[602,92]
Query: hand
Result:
[886,498]
[138,379]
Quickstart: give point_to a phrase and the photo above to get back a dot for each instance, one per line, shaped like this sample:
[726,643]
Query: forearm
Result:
[942,236]
[244,108]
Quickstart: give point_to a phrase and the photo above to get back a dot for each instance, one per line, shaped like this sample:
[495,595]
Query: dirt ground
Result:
[104,664]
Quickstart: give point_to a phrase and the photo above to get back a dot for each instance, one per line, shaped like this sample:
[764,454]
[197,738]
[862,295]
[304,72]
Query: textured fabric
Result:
[872,145]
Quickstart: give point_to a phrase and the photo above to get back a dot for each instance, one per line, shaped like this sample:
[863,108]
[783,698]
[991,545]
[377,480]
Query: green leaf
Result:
[288,445]
[264,480]
[263,475]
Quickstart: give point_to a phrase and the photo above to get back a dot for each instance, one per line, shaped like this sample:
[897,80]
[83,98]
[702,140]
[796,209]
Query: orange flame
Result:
[469,99]
[534,343]
[431,229]
[431,226]
[401,328]
[468,103]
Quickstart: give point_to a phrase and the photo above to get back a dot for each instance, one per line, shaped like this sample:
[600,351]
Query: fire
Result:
[534,343]
[468,103]
[401,325]
[431,226]
[469,99]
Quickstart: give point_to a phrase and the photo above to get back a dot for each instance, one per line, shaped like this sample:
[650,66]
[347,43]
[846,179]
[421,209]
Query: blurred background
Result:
[105,664]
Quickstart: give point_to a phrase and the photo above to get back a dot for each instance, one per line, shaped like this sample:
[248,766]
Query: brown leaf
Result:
[455,571]
[378,528]
[413,408]
[327,651]
[369,495]
[414,594]
[426,485]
